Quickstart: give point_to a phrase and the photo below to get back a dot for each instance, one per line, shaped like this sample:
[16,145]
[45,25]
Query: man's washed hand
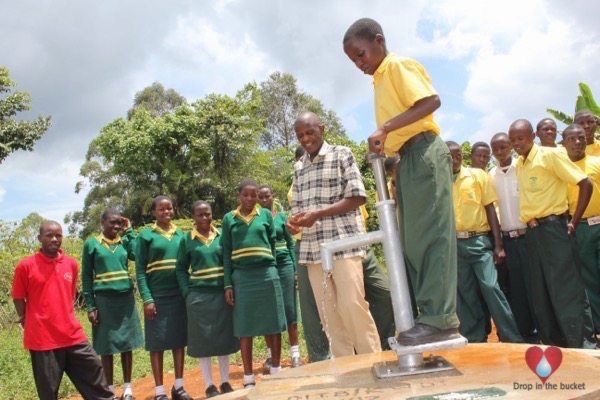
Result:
[305,219]
[376,141]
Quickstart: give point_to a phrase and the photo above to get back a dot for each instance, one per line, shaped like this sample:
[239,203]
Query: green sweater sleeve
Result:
[289,240]
[129,241]
[226,246]
[141,260]
[87,276]
[271,233]
[182,267]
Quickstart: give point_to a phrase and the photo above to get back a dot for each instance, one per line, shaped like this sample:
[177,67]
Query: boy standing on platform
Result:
[474,198]
[588,230]
[559,300]
[43,290]
[504,179]
[404,104]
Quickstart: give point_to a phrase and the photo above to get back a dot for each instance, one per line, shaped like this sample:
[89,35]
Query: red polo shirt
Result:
[48,287]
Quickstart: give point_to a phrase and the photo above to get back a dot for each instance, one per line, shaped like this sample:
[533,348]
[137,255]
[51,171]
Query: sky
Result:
[491,62]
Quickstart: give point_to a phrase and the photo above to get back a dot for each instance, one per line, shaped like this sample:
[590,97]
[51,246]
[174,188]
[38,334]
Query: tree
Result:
[280,103]
[584,101]
[17,135]
[156,100]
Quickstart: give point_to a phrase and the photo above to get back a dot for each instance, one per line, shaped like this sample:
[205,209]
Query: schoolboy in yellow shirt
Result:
[474,197]
[404,104]
[588,121]
[588,230]
[558,296]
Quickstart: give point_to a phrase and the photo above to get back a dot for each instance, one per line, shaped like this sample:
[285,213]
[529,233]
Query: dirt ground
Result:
[143,389]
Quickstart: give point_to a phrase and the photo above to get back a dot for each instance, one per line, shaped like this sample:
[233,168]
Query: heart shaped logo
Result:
[543,363]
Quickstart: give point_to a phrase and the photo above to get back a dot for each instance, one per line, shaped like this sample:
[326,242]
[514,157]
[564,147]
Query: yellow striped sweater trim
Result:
[254,253]
[245,249]
[167,261]
[148,271]
[111,273]
[207,270]
[117,278]
[208,276]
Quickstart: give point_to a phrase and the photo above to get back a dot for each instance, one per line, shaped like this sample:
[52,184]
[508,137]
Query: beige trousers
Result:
[349,322]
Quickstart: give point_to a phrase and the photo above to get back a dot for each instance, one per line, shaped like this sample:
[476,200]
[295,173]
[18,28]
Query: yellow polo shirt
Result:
[471,192]
[543,179]
[593,149]
[591,166]
[399,83]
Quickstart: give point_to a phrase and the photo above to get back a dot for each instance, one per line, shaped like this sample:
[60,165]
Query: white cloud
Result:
[2,193]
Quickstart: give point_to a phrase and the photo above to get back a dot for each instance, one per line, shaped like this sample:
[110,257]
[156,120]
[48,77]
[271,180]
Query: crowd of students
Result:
[534,270]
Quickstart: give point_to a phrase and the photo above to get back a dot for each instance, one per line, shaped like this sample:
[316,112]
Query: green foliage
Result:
[17,135]
[584,101]
[156,100]
[280,103]
[466,152]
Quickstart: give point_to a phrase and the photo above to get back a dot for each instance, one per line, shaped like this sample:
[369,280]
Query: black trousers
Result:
[82,366]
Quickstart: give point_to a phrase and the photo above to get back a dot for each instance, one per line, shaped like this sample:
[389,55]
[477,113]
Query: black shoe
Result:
[267,366]
[225,388]
[211,391]
[127,397]
[421,334]
[180,394]
[161,397]
[296,362]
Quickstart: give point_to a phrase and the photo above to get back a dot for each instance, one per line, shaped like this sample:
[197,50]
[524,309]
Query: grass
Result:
[16,377]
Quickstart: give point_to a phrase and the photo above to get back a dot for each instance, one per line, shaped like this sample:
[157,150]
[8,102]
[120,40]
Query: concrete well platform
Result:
[483,371]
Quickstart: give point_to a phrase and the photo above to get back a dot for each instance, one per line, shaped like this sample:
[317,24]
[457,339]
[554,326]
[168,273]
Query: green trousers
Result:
[519,283]
[588,239]
[560,304]
[377,294]
[427,229]
[477,272]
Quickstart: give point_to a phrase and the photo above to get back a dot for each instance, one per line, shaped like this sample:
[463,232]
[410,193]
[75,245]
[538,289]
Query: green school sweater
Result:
[155,260]
[247,245]
[284,242]
[204,261]
[104,267]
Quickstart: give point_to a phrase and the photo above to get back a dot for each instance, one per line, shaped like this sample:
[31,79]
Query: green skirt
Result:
[288,290]
[168,329]
[119,329]
[210,325]
[258,309]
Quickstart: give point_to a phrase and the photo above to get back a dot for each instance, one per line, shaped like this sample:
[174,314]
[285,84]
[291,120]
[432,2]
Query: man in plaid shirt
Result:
[326,193]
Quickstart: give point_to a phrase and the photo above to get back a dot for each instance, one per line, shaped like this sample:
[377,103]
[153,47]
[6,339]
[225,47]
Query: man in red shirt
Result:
[43,290]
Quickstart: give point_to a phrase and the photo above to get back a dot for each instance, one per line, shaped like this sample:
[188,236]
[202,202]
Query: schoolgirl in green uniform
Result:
[285,257]
[252,283]
[200,275]
[108,292]
[165,321]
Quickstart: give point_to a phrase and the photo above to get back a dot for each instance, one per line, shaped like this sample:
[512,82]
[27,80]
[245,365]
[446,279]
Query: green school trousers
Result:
[588,239]
[477,272]
[427,229]
[558,295]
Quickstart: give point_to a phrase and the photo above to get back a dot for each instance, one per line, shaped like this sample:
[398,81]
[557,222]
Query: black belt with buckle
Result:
[417,138]
[469,234]
[536,221]
[514,234]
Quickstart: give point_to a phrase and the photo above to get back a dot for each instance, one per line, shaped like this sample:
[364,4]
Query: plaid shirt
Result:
[330,177]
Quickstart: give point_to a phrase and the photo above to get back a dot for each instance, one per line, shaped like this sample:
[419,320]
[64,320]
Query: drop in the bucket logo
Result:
[543,362]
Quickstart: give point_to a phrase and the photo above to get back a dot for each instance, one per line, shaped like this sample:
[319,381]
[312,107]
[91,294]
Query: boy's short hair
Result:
[480,144]
[247,182]
[158,199]
[364,28]
[110,212]
[200,203]
[390,162]
[299,151]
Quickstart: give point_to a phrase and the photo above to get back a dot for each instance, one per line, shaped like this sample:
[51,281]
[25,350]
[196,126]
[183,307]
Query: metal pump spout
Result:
[410,358]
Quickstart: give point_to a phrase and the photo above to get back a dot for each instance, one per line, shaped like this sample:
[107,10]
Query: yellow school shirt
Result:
[471,192]
[593,149]
[399,83]
[591,166]
[543,179]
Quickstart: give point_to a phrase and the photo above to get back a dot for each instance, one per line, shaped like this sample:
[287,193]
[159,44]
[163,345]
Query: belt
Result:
[469,234]
[515,233]
[417,138]
[536,221]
